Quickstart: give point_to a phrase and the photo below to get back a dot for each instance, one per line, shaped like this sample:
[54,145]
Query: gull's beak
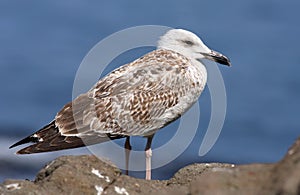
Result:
[217,57]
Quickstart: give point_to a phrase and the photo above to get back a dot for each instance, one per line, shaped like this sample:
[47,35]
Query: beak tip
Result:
[229,64]
[217,57]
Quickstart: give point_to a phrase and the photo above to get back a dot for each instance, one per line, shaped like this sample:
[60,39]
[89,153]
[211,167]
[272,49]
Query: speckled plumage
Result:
[135,99]
[138,98]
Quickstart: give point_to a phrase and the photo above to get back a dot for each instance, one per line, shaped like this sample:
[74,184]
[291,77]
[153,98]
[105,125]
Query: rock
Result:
[90,175]
[67,175]
[279,178]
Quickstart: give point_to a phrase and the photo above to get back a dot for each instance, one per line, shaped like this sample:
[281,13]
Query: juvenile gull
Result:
[137,99]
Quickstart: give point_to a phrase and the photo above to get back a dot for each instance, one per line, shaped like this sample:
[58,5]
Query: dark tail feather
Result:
[34,138]
[47,146]
[50,139]
[23,141]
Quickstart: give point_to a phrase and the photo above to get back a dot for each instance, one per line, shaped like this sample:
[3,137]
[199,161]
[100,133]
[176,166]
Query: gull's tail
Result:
[48,139]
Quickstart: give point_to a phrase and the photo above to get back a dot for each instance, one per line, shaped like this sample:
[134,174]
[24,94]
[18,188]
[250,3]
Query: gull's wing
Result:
[135,99]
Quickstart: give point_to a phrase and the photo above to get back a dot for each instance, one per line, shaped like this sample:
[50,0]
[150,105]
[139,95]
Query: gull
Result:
[136,99]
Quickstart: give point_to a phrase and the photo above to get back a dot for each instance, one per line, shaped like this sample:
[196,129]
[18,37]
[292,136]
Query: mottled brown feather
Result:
[136,99]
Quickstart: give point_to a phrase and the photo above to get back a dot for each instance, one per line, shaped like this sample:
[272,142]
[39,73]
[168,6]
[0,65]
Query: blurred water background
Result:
[42,44]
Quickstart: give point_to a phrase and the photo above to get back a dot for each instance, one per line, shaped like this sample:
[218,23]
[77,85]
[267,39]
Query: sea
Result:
[43,43]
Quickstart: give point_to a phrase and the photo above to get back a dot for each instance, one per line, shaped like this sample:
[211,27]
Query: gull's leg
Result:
[148,153]
[127,147]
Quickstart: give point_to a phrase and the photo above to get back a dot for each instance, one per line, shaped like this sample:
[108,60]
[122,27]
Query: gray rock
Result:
[89,175]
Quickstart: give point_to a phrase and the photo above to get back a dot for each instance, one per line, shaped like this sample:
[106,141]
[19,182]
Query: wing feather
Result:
[135,99]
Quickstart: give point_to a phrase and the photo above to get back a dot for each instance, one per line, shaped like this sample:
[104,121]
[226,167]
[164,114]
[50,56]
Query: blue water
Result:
[42,44]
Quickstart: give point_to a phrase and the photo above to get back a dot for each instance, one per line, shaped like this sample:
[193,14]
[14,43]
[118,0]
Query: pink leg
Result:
[148,163]
[148,153]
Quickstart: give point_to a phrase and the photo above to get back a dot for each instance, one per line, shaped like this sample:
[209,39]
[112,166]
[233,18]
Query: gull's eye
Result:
[187,42]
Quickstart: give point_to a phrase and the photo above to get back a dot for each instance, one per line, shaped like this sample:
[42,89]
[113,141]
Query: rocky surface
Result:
[89,175]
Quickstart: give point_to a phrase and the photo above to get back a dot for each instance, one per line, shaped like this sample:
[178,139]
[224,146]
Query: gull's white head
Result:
[189,45]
